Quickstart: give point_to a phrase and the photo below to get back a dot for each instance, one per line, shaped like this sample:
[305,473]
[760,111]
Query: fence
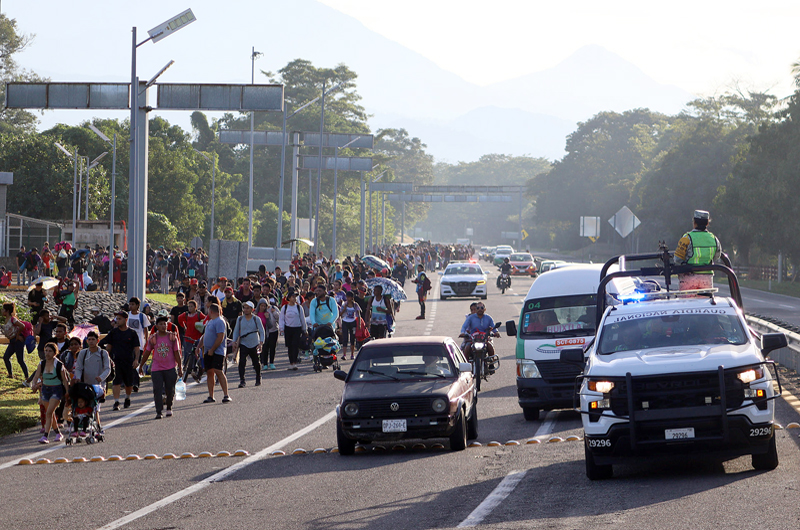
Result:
[18,230]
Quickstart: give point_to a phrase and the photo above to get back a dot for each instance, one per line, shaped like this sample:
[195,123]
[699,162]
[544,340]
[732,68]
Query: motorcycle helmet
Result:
[505,260]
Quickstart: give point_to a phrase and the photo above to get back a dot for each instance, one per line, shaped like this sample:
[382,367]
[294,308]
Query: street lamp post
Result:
[89,166]
[370,207]
[213,189]
[74,159]
[253,56]
[106,139]
[336,184]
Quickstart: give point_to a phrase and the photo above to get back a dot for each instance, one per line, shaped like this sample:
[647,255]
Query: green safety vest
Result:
[704,246]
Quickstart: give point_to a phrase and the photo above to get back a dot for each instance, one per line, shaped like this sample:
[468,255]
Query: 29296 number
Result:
[599,442]
[760,431]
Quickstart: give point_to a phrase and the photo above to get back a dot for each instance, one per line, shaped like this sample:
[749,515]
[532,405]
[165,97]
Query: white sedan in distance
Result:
[463,279]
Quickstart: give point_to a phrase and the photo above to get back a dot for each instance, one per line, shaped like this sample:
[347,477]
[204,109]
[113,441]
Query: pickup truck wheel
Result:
[472,424]
[594,471]
[530,413]
[347,446]
[769,460]
[458,440]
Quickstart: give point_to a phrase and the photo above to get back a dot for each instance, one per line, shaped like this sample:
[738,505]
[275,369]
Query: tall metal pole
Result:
[74,199]
[335,186]
[113,204]
[213,195]
[363,211]
[319,167]
[295,185]
[280,190]
[80,187]
[371,249]
[252,126]
[403,222]
[310,203]
[520,220]
[87,188]
[383,219]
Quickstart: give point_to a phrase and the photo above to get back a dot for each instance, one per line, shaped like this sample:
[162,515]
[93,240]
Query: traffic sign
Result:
[524,234]
[624,221]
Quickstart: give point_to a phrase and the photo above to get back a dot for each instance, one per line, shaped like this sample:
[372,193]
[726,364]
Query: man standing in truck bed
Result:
[698,247]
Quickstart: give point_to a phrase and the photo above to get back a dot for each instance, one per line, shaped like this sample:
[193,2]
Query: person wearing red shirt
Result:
[191,335]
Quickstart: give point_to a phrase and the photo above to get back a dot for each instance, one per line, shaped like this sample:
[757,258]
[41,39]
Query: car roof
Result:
[407,341]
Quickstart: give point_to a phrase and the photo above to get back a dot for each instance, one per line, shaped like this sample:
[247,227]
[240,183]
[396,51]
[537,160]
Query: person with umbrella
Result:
[379,312]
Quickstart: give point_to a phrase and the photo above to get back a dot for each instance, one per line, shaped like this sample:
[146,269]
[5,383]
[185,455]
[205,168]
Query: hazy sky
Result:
[700,46]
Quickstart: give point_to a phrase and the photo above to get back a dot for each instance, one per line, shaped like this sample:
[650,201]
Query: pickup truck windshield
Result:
[639,332]
[563,316]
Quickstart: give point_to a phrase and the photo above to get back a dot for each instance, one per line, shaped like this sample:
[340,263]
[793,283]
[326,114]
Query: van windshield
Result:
[561,316]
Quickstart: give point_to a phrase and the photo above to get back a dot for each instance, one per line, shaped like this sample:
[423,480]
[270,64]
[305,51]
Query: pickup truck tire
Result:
[769,460]
[458,440]
[594,471]
[347,446]
[472,424]
[530,413]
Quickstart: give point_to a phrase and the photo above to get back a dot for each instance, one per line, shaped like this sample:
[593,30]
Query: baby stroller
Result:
[84,427]
[325,348]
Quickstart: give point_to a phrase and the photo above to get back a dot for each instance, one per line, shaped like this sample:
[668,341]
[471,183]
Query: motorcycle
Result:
[483,365]
[504,282]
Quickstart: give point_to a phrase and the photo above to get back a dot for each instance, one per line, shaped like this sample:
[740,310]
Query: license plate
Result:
[394,426]
[679,434]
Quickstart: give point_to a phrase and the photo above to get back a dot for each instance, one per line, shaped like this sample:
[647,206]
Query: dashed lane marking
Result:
[217,477]
[494,499]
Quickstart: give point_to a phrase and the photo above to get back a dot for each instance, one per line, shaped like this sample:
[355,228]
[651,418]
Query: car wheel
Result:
[347,446]
[594,471]
[530,413]
[458,440]
[472,425]
[769,460]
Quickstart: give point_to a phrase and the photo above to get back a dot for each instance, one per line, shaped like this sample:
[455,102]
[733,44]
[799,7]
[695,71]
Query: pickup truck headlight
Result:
[604,387]
[528,369]
[753,374]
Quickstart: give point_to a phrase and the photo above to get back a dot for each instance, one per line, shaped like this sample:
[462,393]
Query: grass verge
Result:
[163,298]
[19,407]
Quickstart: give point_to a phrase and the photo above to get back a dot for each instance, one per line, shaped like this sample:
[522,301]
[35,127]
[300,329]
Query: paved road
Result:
[431,488]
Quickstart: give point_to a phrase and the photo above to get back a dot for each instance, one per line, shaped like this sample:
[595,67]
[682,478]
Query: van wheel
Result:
[594,471]
[458,440]
[347,446]
[769,460]
[530,413]
[472,424]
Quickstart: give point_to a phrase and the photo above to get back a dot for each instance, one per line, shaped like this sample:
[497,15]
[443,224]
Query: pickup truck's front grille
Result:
[676,391]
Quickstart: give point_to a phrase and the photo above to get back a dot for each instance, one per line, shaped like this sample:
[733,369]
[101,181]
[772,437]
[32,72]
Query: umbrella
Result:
[298,240]
[80,253]
[390,287]
[81,330]
[374,262]
[47,283]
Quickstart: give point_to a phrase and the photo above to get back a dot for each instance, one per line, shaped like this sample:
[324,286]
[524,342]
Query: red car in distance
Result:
[523,264]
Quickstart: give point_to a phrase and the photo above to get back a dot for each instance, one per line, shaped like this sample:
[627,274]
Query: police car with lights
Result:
[675,372]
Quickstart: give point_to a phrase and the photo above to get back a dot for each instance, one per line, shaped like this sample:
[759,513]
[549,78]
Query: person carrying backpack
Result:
[323,311]
[423,286]
[51,377]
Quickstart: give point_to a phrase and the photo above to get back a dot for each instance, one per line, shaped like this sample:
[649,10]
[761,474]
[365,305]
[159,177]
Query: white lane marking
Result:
[547,425]
[785,306]
[217,477]
[118,421]
[494,499]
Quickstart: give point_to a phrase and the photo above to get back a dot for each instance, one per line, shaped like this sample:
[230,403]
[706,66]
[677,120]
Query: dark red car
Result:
[523,264]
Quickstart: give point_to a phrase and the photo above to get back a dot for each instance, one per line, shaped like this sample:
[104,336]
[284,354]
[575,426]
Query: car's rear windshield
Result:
[402,362]
[463,269]
[520,257]
[665,329]
[559,317]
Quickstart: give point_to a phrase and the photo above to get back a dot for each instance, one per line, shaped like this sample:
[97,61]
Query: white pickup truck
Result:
[672,373]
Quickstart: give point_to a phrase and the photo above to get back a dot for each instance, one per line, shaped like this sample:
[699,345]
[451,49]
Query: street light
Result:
[107,140]
[137,202]
[336,183]
[376,179]
[91,165]
[319,167]
[74,188]
[253,56]
[213,189]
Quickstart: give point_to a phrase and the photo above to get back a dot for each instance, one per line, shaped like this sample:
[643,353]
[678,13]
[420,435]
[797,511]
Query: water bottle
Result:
[180,390]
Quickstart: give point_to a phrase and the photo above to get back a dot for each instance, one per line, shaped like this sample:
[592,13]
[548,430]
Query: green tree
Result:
[160,231]
[12,42]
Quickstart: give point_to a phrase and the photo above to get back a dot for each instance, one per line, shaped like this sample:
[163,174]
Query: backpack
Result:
[426,284]
[57,364]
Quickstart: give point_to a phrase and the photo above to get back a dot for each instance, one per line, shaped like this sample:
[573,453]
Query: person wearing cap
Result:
[270,316]
[202,294]
[248,339]
[171,327]
[219,288]
[123,345]
[102,322]
[698,247]
[231,306]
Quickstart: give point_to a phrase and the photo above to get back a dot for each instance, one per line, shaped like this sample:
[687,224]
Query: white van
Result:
[558,313]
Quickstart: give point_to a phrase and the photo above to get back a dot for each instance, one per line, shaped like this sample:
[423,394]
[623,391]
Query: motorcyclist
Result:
[478,321]
[505,268]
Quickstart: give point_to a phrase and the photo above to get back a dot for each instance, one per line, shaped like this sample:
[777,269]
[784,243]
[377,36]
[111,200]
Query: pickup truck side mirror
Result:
[772,341]
[511,328]
[341,375]
[573,356]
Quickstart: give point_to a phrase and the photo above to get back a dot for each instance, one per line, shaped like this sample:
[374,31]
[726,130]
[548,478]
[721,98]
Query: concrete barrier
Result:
[789,356]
